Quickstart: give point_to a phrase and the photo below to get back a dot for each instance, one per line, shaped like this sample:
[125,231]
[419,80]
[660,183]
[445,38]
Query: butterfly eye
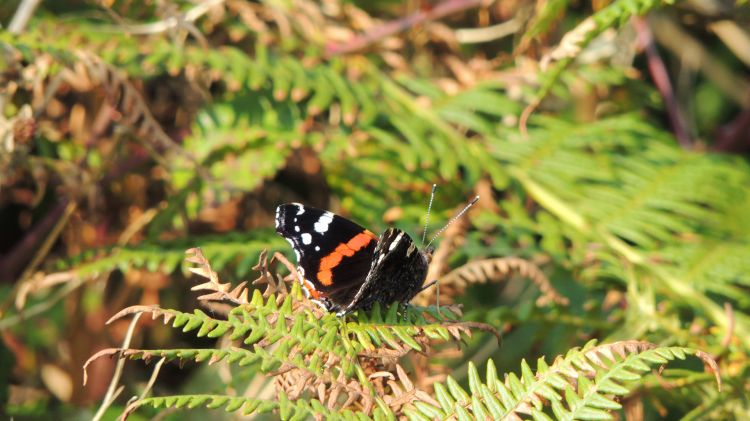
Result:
[428,251]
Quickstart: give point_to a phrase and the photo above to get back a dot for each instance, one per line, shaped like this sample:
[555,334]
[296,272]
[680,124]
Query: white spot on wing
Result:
[321,304]
[277,216]
[300,209]
[321,225]
[395,241]
[296,228]
[306,238]
[317,248]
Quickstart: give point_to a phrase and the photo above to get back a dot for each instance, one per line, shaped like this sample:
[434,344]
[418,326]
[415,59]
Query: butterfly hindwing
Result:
[333,263]
[397,272]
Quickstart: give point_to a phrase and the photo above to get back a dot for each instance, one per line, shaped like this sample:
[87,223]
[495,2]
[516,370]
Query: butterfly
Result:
[344,267]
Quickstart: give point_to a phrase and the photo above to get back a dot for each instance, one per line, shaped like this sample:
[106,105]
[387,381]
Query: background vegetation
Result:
[608,141]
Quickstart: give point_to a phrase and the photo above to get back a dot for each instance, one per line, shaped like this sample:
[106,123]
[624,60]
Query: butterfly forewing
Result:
[324,254]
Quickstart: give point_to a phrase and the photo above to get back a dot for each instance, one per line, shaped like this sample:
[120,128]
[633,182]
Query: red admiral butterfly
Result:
[344,267]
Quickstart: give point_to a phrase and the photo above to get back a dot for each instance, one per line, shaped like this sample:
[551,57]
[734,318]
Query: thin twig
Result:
[21,17]
[152,379]
[46,245]
[41,283]
[112,389]
[734,37]
[661,80]
[488,33]
[132,403]
[11,262]
[440,10]
[524,118]
[41,307]
[146,390]
[169,23]
[669,34]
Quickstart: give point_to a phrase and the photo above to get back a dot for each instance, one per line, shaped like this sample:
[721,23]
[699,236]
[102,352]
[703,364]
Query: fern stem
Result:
[551,202]
[687,294]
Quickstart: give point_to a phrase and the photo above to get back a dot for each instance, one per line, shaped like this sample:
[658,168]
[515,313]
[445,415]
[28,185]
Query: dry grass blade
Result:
[496,269]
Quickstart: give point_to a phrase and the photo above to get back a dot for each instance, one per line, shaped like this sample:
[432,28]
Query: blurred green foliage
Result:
[133,130]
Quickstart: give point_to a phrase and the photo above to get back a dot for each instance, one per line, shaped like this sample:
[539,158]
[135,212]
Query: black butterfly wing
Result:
[333,253]
[397,272]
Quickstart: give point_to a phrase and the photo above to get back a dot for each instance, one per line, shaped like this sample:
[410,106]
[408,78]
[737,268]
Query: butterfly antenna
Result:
[429,208]
[452,220]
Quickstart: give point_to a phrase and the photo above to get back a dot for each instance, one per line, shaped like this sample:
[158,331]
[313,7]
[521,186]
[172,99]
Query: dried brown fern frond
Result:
[269,276]
[133,110]
[334,392]
[499,269]
[402,391]
[220,291]
[121,94]
[380,365]
[343,364]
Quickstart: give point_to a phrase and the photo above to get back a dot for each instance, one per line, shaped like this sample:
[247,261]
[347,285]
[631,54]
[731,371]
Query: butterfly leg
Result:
[437,285]
[428,285]
[404,309]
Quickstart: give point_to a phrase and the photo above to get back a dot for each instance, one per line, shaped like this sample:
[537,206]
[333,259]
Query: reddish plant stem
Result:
[11,263]
[734,137]
[661,79]
[399,25]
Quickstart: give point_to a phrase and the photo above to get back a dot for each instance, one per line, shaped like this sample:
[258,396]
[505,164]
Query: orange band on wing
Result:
[358,242]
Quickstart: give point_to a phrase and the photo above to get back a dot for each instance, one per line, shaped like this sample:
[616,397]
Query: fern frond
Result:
[308,353]
[546,15]
[580,385]
[233,250]
[223,291]
[403,390]
[282,336]
[720,267]
[482,271]
[393,334]
[642,195]
[298,409]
